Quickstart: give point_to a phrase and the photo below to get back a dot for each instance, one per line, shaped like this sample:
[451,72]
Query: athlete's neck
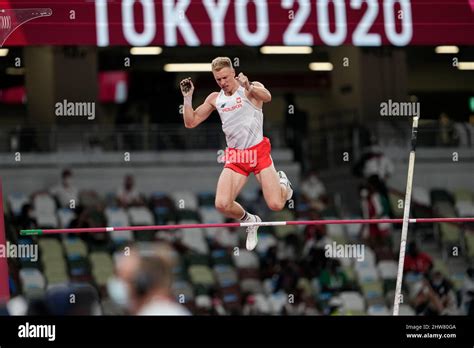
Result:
[236,87]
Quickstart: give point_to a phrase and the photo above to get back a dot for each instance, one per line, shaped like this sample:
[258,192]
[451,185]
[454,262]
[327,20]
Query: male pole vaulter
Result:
[239,104]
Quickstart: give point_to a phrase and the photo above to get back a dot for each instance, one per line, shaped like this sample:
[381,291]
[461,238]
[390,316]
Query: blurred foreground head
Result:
[143,281]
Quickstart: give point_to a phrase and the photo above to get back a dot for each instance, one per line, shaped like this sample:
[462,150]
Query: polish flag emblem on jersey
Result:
[239,100]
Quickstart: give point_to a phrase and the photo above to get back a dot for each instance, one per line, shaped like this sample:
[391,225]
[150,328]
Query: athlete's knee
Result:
[275,205]
[223,205]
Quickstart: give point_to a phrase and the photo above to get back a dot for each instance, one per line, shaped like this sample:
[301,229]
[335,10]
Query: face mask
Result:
[118,292]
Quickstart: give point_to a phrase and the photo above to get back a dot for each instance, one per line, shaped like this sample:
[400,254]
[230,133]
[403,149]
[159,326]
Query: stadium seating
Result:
[213,265]
[65,216]
[45,211]
[16,201]
[117,217]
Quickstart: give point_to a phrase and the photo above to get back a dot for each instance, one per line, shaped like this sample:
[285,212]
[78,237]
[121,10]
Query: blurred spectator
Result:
[143,283]
[374,206]
[335,306]
[296,129]
[416,260]
[127,195]
[425,300]
[217,305]
[270,263]
[467,293]
[89,217]
[90,214]
[287,278]
[376,169]
[314,259]
[314,233]
[26,220]
[332,278]
[307,306]
[250,306]
[313,191]
[446,133]
[464,132]
[290,247]
[373,162]
[444,289]
[378,165]
[65,192]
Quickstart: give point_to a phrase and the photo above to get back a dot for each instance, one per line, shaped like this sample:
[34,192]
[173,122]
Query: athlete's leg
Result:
[276,190]
[228,188]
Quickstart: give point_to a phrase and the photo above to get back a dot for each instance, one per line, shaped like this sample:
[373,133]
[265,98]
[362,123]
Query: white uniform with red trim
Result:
[242,121]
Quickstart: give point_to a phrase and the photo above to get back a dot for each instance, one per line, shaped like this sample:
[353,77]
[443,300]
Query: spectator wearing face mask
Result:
[66,192]
[142,285]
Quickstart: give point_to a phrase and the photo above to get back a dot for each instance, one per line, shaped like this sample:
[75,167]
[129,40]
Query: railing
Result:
[330,146]
[129,138]
[338,146]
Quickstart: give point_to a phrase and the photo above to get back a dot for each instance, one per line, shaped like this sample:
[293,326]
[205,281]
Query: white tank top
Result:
[242,121]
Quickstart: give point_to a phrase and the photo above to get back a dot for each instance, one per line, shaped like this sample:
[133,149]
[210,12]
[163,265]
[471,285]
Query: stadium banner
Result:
[242,22]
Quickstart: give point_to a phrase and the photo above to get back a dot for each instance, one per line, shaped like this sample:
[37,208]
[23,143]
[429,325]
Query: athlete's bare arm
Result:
[256,91]
[192,118]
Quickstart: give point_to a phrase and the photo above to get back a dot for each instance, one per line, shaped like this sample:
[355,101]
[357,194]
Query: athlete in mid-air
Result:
[239,104]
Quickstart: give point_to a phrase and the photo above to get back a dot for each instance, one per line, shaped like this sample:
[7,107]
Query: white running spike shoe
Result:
[284,181]
[252,238]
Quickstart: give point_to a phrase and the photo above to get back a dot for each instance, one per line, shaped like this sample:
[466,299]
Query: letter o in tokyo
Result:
[241,18]
[149,22]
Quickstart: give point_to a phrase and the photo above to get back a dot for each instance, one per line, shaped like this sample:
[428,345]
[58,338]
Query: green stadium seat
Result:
[201,275]
[449,233]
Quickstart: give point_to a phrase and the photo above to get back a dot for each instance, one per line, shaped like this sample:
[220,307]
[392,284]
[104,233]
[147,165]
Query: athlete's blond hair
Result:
[220,63]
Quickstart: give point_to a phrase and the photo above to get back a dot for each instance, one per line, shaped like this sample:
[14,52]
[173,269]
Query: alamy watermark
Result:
[83,109]
[345,251]
[23,251]
[237,156]
[37,331]
[394,108]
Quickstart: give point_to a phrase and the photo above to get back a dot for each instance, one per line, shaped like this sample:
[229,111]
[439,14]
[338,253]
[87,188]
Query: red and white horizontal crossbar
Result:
[240,224]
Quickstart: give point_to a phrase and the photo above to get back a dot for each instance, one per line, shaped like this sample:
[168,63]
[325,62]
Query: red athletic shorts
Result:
[251,160]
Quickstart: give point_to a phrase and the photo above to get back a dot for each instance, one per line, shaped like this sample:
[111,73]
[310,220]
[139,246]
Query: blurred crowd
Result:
[201,273]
